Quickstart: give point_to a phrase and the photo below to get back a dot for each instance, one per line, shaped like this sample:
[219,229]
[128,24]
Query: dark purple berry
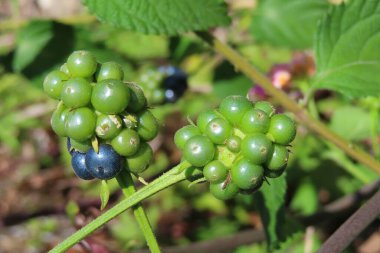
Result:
[175,83]
[78,162]
[105,164]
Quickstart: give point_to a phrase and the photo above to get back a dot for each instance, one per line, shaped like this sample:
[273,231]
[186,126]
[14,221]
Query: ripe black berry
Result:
[78,162]
[105,164]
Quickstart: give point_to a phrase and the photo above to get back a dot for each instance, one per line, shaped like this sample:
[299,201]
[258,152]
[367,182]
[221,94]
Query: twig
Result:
[350,229]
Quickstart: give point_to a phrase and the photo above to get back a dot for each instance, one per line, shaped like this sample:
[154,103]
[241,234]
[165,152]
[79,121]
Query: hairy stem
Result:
[127,185]
[175,175]
[301,114]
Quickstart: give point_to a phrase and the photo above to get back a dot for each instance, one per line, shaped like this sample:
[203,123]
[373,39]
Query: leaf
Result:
[161,16]
[270,202]
[347,49]
[104,194]
[72,209]
[30,42]
[290,23]
[305,199]
[235,86]
[352,123]
[138,46]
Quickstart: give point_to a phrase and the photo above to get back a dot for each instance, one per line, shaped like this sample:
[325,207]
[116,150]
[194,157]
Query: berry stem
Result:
[173,176]
[281,97]
[127,186]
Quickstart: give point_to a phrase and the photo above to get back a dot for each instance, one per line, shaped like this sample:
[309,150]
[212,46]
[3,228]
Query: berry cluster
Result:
[238,145]
[106,120]
[165,85]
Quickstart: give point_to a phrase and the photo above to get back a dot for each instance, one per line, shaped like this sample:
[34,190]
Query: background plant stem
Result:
[352,227]
[302,116]
[173,176]
[127,186]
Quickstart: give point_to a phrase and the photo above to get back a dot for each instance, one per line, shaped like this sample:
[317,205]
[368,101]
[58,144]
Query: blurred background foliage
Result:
[43,201]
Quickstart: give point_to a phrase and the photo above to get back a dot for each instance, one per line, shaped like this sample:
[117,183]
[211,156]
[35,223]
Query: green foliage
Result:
[347,49]
[351,123]
[290,23]
[235,86]
[72,209]
[161,16]
[305,199]
[30,42]
[270,203]
[104,194]
[138,46]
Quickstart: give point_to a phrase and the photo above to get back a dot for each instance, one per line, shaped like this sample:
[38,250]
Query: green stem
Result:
[374,130]
[175,175]
[301,114]
[127,186]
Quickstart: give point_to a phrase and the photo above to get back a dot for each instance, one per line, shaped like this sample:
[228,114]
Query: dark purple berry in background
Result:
[175,83]
[106,164]
[256,93]
[78,162]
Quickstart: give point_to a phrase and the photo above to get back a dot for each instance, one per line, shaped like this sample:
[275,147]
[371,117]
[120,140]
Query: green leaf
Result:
[104,194]
[161,16]
[290,23]
[305,199]
[270,202]
[235,86]
[347,49]
[30,42]
[352,123]
[138,46]
[72,209]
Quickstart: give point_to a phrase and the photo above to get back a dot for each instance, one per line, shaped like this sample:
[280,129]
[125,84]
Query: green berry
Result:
[215,172]
[137,100]
[139,162]
[110,70]
[278,158]
[81,123]
[58,120]
[64,69]
[224,191]
[204,118]
[76,92]
[234,107]
[247,175]
[53,83]
[199,150]
[253,190]
[126,143]
[81,146]
[108,126]
[254,120]
[184,134]
[265,107]
[147,125]
[234,143]
[110,96]
[218,130]
[81,64]
[273,173]
[256,148]
[282,129]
